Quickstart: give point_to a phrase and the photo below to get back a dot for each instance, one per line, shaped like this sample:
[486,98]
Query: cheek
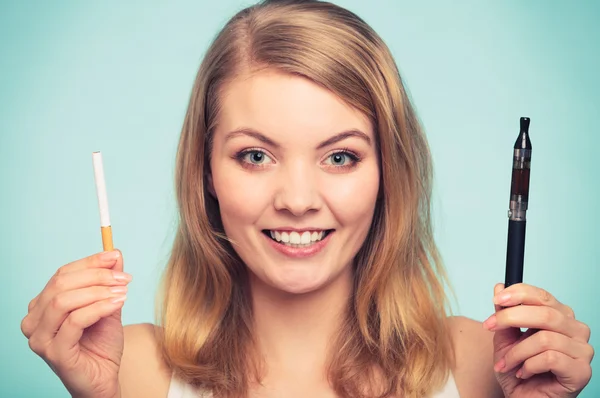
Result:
[352,198]
[241,199]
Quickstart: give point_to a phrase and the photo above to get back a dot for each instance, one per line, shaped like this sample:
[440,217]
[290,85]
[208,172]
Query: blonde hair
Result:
[395,339]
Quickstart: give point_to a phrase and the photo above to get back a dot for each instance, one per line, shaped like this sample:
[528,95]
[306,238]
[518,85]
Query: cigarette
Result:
[105,229]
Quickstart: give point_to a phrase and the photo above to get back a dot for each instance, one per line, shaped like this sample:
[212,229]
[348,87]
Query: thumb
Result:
[506,338]
[119,264]
[503,341]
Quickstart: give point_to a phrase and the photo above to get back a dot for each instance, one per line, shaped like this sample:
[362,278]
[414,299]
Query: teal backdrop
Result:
[115,76]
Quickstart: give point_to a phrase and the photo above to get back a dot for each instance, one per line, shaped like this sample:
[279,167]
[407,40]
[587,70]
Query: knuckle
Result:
[32,344]
[586,331]
[551,358]
[61,270]
[31,304]
[569,312]
[36,346]
[58,283]
[545,339]
[590,352]
[545,296]
[74,321]
[26,326]
[586,374]
[59,302]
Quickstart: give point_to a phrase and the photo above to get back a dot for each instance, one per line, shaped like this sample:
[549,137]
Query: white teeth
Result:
[305,238]
[295,238]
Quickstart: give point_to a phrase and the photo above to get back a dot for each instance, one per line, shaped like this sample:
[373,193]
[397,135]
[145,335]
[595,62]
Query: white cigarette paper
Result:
[101,189]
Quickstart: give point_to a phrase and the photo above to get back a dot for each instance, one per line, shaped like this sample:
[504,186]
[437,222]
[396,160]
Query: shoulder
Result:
[143,373]
[474,350]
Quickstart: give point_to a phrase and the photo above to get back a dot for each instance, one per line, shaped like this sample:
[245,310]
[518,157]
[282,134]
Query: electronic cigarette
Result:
[519,196]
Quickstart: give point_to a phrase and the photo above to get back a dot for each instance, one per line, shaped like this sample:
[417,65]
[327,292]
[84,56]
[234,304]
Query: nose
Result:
[297,190]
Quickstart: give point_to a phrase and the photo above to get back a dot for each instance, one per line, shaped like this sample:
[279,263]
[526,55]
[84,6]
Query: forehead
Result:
[282,104]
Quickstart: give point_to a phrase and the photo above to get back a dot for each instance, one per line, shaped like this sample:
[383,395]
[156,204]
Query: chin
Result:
[297,281]
[298,288]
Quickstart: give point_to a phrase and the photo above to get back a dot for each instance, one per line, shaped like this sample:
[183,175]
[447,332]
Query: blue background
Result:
[78,77]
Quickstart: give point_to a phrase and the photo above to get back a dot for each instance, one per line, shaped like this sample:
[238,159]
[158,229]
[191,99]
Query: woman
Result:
[304,263]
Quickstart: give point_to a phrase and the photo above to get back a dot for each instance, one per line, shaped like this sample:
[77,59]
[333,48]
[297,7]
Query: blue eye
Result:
[339,159]
[254,157]
[342,159]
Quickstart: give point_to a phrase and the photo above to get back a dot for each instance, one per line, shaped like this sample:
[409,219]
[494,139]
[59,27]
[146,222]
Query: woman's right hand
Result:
[74,324]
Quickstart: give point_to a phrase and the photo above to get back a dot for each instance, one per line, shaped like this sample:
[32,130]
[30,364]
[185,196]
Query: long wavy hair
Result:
[395,339]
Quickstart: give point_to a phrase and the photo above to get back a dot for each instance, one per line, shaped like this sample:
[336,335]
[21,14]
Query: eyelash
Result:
[239,157]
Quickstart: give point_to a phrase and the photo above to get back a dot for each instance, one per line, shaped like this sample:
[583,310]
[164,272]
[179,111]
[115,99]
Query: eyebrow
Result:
[247,131]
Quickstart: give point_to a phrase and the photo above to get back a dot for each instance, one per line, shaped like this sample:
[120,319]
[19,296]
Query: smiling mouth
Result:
[297,239]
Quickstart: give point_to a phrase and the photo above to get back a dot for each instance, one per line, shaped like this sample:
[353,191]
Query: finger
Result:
[104,259]
[503,339]
[521,293]
[543,318]
[66,341]
[63,304]
[571,373]
[71,281]
[32,303]
[543,341]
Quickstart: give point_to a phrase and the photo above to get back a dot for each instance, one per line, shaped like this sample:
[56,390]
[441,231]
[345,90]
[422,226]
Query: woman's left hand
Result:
[552,358]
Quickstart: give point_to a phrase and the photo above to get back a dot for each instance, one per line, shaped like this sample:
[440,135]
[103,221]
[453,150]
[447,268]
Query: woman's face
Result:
[296,175]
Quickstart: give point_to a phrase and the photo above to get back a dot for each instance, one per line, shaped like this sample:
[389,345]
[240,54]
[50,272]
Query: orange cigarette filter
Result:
[105,227]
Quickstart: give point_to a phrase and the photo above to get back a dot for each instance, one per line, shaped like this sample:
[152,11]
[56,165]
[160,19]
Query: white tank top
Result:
[178,389]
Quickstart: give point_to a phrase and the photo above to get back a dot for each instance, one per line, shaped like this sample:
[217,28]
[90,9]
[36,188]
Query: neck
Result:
[294,331]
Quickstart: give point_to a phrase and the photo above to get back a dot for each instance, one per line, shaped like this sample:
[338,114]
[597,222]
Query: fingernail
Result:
[118,289]
[503,298]
[109,256]
[118,299]
[519,373]
[490,323]
[122,276]
[500,365]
